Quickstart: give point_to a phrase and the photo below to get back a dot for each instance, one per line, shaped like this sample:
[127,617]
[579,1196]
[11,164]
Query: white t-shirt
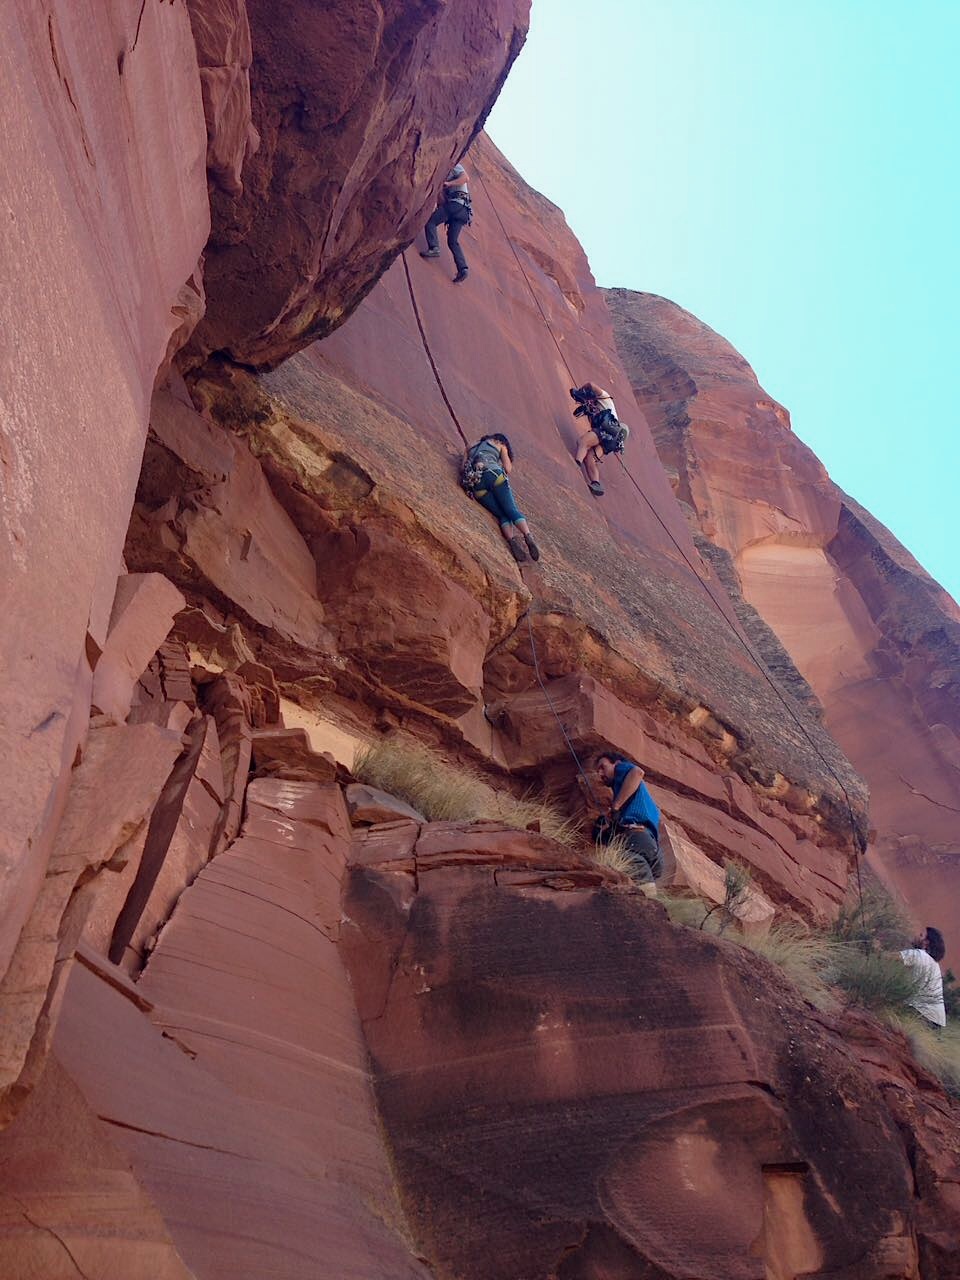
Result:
[929,998]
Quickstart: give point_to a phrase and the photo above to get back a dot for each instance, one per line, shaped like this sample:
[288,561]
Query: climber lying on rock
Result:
[483,475]
[633,815]
[606,433]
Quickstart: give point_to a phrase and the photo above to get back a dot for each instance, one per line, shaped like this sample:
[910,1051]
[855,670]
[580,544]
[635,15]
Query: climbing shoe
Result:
[429,253]
[516,546]
[461,275]
[596,488]
[532,548]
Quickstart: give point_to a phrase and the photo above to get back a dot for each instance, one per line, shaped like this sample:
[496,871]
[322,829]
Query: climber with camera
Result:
[605,434]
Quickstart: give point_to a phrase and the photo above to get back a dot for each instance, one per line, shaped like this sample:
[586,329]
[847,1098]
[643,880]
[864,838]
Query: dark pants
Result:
[455,215]
[644,850]
[496,496]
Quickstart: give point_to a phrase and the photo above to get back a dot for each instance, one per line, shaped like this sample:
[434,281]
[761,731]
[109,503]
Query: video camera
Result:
[585,399]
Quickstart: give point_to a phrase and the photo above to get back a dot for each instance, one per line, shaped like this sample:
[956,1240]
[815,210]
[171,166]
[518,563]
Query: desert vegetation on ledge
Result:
[445,792]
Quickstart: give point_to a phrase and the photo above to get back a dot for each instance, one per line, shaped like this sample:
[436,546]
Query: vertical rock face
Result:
[247,1028]
[104,219]
[361,108]
[113,127]
[875,636]
[634,628]
[573,1087]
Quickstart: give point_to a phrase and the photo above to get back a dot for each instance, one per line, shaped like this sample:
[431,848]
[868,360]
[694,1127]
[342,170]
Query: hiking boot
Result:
[596,488]
[532,548]
[429,253]
[516,546]
[461,275]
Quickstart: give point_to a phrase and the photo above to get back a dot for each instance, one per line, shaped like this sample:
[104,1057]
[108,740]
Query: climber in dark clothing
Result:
[606,433]
[486,466]
[453,208]
[633,815]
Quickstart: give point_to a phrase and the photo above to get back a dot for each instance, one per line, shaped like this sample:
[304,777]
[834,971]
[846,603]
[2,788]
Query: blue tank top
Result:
[488,452]
[640,807]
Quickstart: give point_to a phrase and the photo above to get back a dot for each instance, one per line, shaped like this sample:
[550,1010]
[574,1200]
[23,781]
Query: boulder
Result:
[368,806]
[143,612]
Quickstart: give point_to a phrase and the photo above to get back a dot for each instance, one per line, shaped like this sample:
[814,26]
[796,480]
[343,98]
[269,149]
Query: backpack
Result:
[471,472]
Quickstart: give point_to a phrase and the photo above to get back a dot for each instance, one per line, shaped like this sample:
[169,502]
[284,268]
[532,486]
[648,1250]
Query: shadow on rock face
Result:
[573,1086]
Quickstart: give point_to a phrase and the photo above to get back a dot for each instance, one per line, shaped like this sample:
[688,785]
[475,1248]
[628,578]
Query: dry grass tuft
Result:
[805,956]
[938,1051]
[615,855]
[684,908]
[443,792]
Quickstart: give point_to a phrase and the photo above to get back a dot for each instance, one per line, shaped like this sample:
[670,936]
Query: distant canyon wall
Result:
[876,638]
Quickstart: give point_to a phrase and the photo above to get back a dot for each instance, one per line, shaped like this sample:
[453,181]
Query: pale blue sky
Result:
[789,173]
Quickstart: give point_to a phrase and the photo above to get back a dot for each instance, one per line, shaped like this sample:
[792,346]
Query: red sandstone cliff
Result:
[877,639]
[248,1030]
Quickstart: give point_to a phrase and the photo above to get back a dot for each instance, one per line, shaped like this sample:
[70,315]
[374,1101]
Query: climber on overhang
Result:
[606,433]
[633,815]
[453,208]
[483,475]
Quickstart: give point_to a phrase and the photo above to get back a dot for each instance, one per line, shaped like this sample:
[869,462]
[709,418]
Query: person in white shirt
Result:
[924,957]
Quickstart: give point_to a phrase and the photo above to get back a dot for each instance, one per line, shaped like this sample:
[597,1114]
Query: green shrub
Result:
[880,919]
[736,884]
[951,994]
[875,980]
[443,792]
[683,908]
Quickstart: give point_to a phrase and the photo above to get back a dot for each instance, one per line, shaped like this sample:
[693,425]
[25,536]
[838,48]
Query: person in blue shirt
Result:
[633,815]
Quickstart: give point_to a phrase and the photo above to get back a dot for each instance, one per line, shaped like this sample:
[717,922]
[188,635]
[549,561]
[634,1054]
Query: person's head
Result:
[502,439]
[931,941]
[606,764]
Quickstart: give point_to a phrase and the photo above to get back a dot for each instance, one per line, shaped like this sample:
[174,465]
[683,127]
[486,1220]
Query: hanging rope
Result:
[456,423]
[426,347]
[533,294]
[566,736]
[761,667]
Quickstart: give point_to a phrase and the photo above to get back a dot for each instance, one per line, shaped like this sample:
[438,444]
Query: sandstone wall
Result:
[246,1028]
[105,217]
[875,636]
[360,109]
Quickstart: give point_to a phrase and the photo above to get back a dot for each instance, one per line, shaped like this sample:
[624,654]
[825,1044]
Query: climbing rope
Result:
[857,835]
[566,736]
[426,347]
[533,294]
[456,423]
